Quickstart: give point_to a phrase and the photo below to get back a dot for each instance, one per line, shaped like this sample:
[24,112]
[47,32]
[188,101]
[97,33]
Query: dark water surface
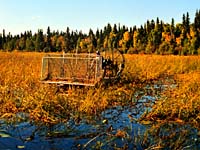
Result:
[114,128]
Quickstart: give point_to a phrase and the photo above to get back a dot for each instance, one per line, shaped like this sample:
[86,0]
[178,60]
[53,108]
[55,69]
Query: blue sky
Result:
[17,16]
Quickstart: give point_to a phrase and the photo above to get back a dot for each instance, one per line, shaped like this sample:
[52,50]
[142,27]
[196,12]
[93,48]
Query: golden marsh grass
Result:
[21,90]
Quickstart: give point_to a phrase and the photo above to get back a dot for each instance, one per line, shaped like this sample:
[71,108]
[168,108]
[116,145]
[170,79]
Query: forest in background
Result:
[154,37]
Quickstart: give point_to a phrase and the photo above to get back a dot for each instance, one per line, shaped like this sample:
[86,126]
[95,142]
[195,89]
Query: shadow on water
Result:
[115,128]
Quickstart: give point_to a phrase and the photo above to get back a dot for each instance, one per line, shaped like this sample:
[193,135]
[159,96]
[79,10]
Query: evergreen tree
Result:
[131,35]
[184,31]
[67,40]
[142,36]
[29,44]
[22,44]
[177,30]
[11,45]
[78,45]
[114,30]
[196,42]
[39,43]
[152,24]
[73,39]
[197,20]
[97,34]
[29,34]
[91,33]
[25,36]
[153,37]
[48,43]
[148,27]
[58,46]
[100,40]
[172,30]
[54,40]
[187,23]
[4,40]
[93,39]
[172,26]
[107,30]
[1,42]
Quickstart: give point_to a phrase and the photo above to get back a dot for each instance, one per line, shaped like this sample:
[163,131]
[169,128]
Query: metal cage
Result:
[72,69]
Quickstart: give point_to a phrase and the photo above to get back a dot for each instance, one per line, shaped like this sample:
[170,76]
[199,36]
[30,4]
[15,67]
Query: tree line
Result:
[154,37]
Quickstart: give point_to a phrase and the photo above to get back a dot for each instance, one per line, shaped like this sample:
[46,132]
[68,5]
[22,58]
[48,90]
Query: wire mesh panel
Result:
[79,69]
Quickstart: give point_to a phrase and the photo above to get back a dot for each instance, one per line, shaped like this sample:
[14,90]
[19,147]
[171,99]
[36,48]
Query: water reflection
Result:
[114,128]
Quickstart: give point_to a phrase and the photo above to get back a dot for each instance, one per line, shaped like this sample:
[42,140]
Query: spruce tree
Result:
[39,43]
[67,40]
[197,29]
[48,44]
[4,40]
[187,23]
[1,42]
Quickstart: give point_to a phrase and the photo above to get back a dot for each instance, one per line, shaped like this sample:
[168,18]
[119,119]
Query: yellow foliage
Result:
[167,36]
[112,35]
[82,45]
[178,41]
[135,38]
[192,32]
[105,43]
[120,42]
[126,36]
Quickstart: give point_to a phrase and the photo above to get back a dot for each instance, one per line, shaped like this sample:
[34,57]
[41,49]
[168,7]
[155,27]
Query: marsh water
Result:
[115,128]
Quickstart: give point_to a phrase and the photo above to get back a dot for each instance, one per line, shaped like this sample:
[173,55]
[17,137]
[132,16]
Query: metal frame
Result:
[72,69]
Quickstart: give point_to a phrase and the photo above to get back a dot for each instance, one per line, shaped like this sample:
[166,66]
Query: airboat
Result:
[82,69]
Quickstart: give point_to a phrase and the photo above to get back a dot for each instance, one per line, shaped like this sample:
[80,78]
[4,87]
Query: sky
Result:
[18,16]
